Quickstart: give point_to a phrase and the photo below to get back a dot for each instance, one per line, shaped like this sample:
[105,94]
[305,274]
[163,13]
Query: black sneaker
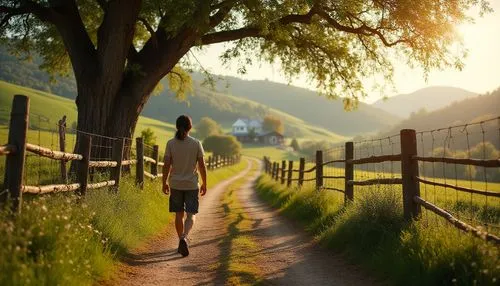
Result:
[183,247]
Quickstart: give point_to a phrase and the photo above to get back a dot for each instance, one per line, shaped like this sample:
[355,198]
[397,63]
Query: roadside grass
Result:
[236,266]
[61,240]
[371,231]
[472,208]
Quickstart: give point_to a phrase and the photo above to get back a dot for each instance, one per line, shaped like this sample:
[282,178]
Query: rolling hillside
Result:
[309,106]
[46,109]
[430,98]
[461,112]
[225,109]
[470,110]
[273,97]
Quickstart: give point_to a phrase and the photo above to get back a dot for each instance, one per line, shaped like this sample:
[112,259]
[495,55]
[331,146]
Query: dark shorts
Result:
[181,200]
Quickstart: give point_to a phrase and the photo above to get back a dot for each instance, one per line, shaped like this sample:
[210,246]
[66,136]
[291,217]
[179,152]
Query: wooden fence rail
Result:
[16,147]
[409,180]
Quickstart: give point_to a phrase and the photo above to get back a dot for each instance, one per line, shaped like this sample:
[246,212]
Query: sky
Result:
[481,73]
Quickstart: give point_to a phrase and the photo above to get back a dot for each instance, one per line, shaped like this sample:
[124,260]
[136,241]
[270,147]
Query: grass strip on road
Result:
[236,266]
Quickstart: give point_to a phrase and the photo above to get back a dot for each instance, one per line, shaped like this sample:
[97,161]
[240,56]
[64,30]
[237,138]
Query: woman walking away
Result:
[183,159]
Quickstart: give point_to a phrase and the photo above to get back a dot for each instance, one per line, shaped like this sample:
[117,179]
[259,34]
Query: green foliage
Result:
[335,44]
[273,123]
[222,145]
[371,231]
[207,127]
[226,105]
[148,136]
[60,240]
[52,242]
[295,145]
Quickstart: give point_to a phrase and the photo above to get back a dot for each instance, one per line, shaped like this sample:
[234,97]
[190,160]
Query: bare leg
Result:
[179,224]
[188,224]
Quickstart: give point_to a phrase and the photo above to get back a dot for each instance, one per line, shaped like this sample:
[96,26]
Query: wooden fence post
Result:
[85,146]
[409,173]
[319,169]
[302,166]
[154,166]
[139,168]
[349,172]
[290,173]
[275,171]
[62,147]
[116,172]
[14,163]
[283,170]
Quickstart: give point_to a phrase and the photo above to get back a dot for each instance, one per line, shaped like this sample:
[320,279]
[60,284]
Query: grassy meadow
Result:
[372,232]
[47,109]
[58,239]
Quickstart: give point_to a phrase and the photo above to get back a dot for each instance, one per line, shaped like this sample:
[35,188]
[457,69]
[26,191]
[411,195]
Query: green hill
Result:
[274,98]
[471,110]
[46,109]
[225,109]
[430,99]
[460,112]
[308,105]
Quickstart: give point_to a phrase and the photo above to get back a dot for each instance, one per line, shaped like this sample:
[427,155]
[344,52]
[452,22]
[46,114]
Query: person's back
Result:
[184,156]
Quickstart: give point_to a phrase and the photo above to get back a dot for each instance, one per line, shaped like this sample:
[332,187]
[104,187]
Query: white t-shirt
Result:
[184,155]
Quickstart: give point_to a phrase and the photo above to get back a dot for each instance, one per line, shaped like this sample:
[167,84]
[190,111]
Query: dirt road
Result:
[286,256]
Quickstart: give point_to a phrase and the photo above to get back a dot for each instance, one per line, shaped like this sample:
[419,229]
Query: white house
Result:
[240,127]
[243,126]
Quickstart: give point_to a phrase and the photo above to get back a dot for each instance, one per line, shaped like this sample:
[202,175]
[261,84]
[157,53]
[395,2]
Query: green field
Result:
[46,109]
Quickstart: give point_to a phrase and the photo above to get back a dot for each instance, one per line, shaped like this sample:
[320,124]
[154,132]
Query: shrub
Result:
[222,145]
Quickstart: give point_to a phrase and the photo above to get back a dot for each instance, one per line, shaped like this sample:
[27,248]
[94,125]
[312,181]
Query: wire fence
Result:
[452,173]
[45,157]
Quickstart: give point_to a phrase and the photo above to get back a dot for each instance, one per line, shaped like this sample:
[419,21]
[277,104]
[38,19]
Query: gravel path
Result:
[286,256]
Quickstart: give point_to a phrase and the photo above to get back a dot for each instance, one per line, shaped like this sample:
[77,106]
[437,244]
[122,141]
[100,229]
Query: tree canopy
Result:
[273,123]
[222,145]
[335,42]
[207,127]
[119,50]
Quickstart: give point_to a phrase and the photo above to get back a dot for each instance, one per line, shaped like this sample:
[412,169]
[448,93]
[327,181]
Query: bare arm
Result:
[167,164]
[203,172]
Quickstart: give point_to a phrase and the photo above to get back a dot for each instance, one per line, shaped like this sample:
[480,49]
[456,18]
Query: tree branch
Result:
[147,26]
[361,30]
[30,7]
[231,35]
[223,11]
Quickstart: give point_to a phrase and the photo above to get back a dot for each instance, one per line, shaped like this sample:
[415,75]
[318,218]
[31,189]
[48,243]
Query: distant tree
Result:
[207,127]
[222,145]
[252,134]
[486,150]
[295,145]
[273,123]
[148,136]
